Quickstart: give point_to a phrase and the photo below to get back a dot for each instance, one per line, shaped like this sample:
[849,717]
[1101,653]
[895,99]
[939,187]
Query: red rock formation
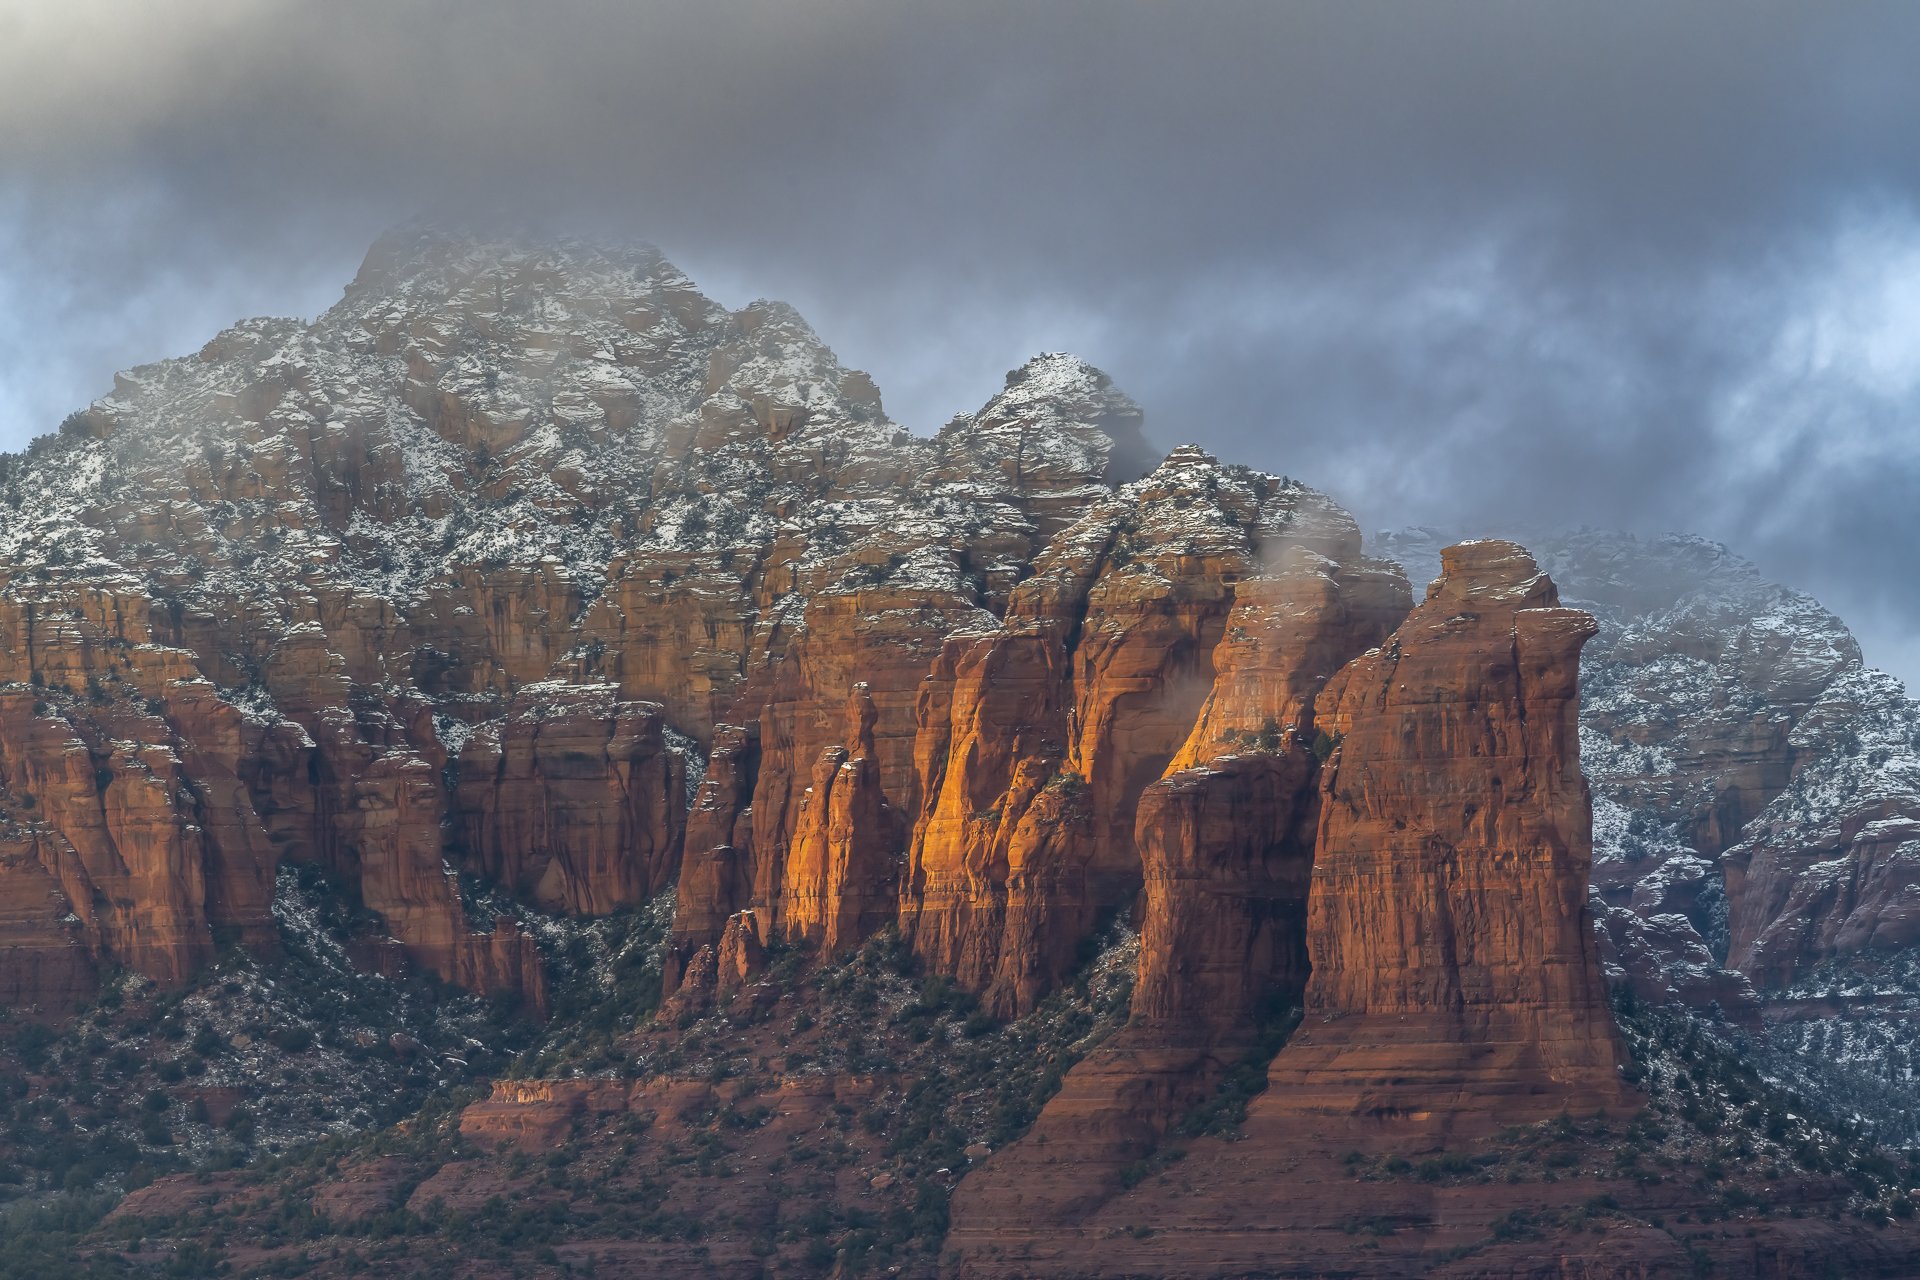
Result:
[992,746]
[1664,962]
[1454,982]
[169,837]
[675,628]
[535,1115]
[841,881]
[573,799]
[158,845]
[556,498]
[1454,972]
[719,841]
[1037,740]
[1795,905]
[800,816]
[130,866]
[739,958]
[1226,837]
[1226,846]
[45,968]
[376,820]
[883,638]
[492,476]
[119,763]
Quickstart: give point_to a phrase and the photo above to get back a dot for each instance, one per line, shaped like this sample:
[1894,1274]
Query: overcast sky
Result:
[1647,265]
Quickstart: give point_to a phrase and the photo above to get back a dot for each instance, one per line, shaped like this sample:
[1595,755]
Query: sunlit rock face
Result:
[1226,843]
[539,503]
[1038,738]
[1453,954]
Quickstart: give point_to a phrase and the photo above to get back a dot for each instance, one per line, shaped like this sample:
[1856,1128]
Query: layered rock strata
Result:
[480,571]
[573,799]
[1454,968]
[1401,844]
[1037,739]
[470,572]
[1227,835]
[1828,870]
[1753,780]
[1226,846]
[842,875]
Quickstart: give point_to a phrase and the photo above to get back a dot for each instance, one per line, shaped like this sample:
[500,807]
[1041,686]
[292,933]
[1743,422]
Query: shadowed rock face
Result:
[574,800]
[1827,870]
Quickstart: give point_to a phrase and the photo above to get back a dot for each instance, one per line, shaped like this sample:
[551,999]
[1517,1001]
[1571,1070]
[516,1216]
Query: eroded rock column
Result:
[1454,970]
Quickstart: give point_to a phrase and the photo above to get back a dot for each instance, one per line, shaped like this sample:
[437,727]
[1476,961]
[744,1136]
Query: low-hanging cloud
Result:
[1477,264]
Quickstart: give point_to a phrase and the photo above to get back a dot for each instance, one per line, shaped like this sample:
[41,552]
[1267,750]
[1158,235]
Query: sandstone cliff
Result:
[466,576]
[1430,877]
[573,799]
[1454,970]
[1038,738]
[1226,846]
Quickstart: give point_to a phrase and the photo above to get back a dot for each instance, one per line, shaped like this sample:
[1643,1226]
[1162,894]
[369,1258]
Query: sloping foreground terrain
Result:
[534,772]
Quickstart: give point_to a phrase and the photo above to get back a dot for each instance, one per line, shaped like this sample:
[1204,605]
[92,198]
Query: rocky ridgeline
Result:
[463,575]
[530,562]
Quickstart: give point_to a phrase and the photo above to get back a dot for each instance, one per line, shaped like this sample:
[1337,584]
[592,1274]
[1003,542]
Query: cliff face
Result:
[473,572]
[807,827]
[1226,843]
[573,799]
[1827,870]
[1453,954]
[532,563]
[1753,781]
[843,862]
[1037,739]
[119,773]
[1422,891]
[1693,691]
[1227,835]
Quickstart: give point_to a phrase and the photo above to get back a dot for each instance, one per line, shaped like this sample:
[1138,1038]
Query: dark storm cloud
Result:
[1480,264]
